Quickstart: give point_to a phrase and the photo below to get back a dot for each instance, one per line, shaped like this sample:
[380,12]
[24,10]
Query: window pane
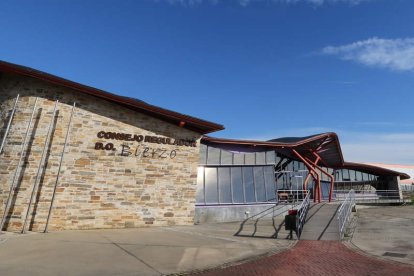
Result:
[295,165]
[338,175]
[345,174]
[203,154]
[358,176]
[224,185]
[248,184]
[238,158]
[213,156]
[260,158]
[297,182]
[270,157]
[281,181]
[200,186]
[289,167]
[226,157]
[270,182]
[277,159]
[249,158]
[211,185]
[353,175]
[259,184]
[237,184]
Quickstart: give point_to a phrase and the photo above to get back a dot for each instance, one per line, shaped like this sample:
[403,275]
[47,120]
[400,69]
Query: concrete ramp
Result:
[321,222]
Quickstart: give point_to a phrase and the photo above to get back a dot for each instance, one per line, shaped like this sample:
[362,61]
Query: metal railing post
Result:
[302,211]
[60,166]
[344,212]
[9,124]
[40,166]
[6,208]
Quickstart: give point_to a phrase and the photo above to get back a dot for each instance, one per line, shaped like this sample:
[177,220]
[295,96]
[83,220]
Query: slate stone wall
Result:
[129,184]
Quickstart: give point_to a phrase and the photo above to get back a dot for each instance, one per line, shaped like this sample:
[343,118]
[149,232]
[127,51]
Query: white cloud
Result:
[394,54]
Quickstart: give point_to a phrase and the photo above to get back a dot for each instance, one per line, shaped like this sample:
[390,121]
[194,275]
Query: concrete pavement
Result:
[386,232]
[381,236]
[145,251]
[321,222]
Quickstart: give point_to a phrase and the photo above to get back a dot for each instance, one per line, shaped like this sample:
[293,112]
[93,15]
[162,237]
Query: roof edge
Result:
[352,165]
[199,125]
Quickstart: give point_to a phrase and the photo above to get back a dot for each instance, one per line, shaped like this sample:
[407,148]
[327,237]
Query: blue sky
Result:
[263,68]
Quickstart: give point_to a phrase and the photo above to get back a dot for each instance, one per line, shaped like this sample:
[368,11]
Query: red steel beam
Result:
[325,173]
[314,174]
[305,183]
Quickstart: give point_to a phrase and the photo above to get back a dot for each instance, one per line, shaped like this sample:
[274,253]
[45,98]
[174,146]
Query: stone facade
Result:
[136,183]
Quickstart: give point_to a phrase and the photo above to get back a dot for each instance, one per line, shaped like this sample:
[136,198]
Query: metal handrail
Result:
[371,195]
[344,212]
[293,196]
[301,215]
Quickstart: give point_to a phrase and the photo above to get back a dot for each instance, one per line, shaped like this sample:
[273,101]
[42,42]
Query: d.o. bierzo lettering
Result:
[142,151]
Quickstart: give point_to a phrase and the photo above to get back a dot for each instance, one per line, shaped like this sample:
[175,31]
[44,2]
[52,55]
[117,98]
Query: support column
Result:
[314,174]
[325,173]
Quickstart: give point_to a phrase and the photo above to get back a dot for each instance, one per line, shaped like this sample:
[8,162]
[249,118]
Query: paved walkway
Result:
[317,258]
[386,232]
[145,251]
[321,222]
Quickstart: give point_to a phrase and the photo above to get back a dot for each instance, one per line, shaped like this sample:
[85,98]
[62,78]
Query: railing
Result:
[344,212]
[371,196]
[407,187]
[301,215]
[294,197]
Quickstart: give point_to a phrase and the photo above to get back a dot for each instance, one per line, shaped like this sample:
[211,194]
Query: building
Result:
[76,157]
[127,163]
[239,176]
[407,169]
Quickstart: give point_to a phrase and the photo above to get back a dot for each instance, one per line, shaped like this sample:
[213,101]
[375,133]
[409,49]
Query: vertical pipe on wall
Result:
[6,208]
[9,124]
[59,169]
[40,166]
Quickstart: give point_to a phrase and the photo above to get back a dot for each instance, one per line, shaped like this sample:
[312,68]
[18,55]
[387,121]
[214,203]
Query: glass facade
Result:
[352,175]
[226,177]
[215,156]
[235,185]
[351,179]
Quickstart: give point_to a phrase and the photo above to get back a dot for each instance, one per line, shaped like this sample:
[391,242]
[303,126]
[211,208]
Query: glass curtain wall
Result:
[215,156]
[226,177]
[351,179]
[292,176]
[235,185]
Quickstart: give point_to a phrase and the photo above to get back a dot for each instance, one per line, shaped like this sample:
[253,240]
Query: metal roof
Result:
[186,121]
[325,145]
